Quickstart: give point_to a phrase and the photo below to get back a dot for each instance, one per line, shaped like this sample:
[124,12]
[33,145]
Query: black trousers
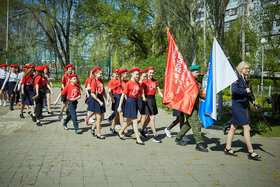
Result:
[39,104]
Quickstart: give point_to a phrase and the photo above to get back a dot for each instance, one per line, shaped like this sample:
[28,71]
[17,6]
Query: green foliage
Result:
[259,127]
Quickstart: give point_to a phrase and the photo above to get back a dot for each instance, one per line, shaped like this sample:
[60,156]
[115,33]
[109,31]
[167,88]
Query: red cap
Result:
[16,65]
[72,75]
[148,68]
[32,66]
[69,65]
[122,70]
[116,70]
[73,67]
[95,69]
[134,69]
[40,68]
[12,65]
[65,69]
[27,67]
[143,71]
[4,65]
[24,66]
[46,67]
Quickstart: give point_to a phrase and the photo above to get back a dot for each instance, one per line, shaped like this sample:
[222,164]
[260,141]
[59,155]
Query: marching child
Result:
[3,90]
[27,84]
[38,94]
[47,87]
[96,102]
[151,87]
[11,80]
[112,84]
[72,93]
[132,90]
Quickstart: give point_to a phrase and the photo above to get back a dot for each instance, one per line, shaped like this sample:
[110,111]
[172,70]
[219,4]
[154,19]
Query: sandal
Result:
[256,157]
[228,152]
[121,137]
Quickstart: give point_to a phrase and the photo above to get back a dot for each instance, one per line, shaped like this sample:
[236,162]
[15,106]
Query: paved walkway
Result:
[52,156]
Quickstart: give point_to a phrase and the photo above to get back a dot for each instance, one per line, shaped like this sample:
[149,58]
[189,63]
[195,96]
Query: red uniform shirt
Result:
[45,81]
[113,83]
[72,91]
[100,87]
[28,80]
[132,89]
[38,80]
[88,81]
[151,88]
[66,80]
[117,88]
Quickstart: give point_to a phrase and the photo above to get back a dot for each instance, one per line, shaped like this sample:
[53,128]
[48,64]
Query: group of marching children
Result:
[127,97]
[31,83]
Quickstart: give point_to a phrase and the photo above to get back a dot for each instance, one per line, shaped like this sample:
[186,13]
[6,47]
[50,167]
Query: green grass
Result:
[162,106]
[274,133]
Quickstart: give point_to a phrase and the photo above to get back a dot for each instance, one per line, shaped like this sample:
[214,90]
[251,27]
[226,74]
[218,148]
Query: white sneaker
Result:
[0,102]
[168,133]
[60,117]
[91,120]
[5,103]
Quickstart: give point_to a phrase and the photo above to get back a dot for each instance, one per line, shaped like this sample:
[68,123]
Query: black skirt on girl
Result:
[39,103]
[150,106]
[131,108]
[94,105]
[177,113]
[117,102]
[27,96]
[1,84]
[63,97]
[140,106]
[11,87]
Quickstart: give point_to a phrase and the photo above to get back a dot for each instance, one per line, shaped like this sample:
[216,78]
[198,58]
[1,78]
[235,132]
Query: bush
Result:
[260,127]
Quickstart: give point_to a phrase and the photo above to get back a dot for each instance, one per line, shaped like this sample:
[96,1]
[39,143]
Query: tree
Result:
[54,18]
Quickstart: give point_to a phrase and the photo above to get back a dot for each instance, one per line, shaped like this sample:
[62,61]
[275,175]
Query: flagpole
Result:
[251,93]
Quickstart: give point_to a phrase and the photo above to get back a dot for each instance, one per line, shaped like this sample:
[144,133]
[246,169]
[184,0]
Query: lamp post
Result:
[263,41]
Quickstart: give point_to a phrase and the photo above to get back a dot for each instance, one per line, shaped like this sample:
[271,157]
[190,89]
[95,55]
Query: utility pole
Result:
[243,29]
[204,35]
[7,32]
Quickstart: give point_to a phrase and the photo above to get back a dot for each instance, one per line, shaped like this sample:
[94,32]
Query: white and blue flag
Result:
[219,76]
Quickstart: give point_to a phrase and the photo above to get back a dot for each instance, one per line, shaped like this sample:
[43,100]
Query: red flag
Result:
[180,87]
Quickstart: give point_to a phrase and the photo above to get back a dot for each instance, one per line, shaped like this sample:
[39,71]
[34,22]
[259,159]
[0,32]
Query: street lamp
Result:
[263,41]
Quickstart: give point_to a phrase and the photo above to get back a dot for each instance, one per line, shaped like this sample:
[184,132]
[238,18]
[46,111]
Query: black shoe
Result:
[67,111]
[33,118]
[229,152]
[180,142]
[39,124]
[120,136]
[142,134]
[127,134]
[140,143]
[29,113]
[50,112]
[201,147]
[100,137]
[11,108]
[21,115]
[156,139]
[93,133]
[113,131]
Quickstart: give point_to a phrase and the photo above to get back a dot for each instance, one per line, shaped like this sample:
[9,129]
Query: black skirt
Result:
[27,96]
[240,113]
[177,113]
[11,87]
[94,106]
[117,102]
[150,106]
[63,97]
[140,106]
[46,90]
[131,108]
[1,84]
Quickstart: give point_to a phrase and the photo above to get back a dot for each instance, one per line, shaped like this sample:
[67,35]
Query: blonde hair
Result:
[241,65]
